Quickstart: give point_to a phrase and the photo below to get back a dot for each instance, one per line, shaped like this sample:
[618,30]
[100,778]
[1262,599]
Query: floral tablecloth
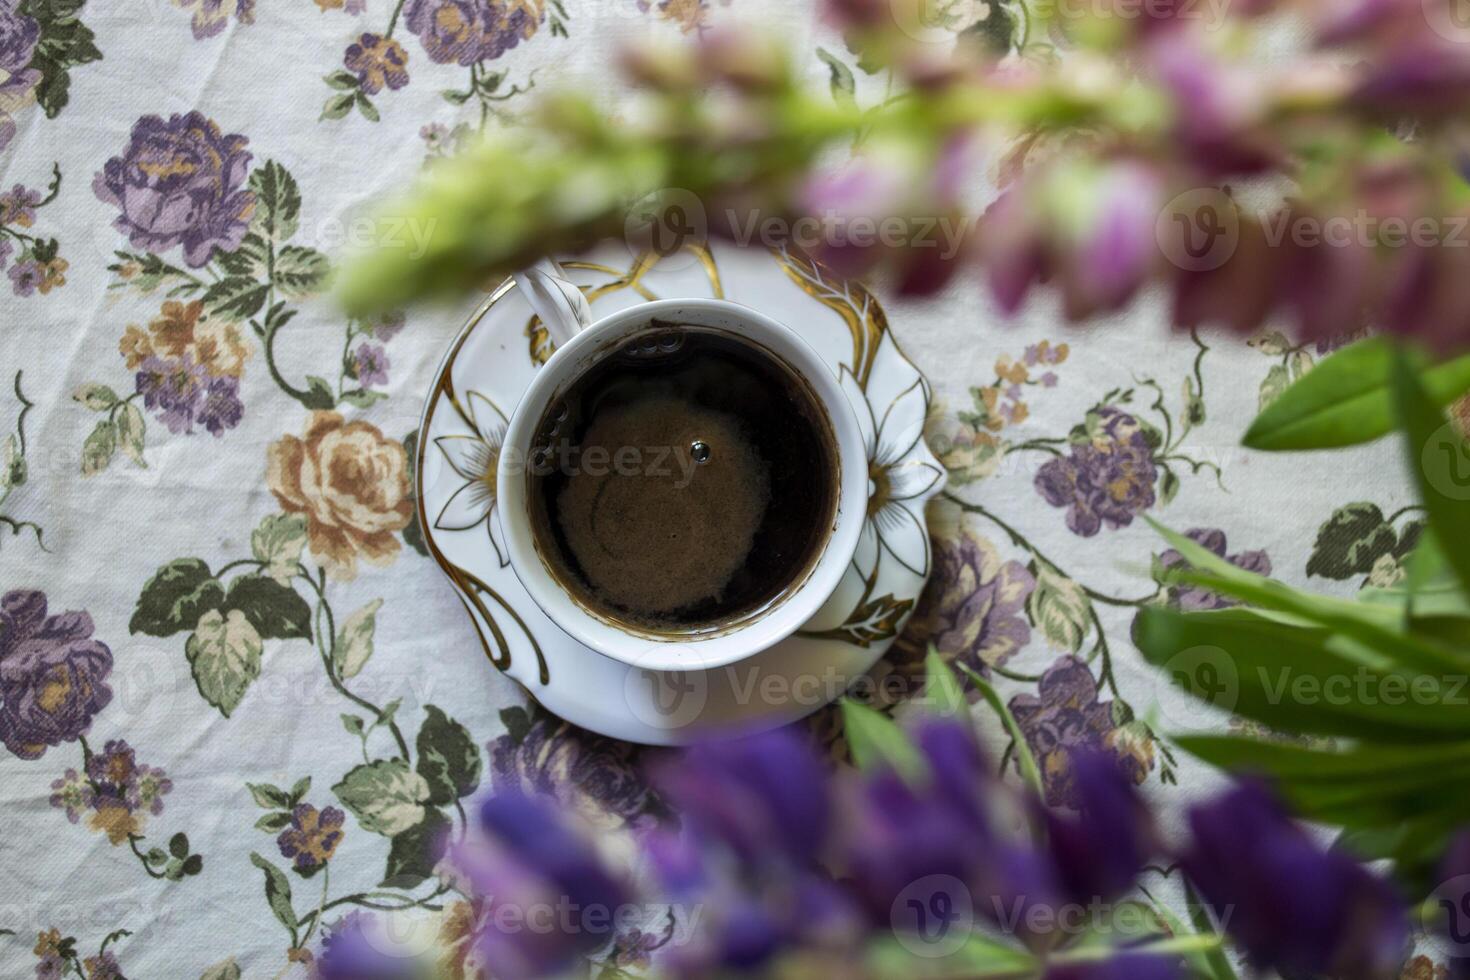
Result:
[237,698]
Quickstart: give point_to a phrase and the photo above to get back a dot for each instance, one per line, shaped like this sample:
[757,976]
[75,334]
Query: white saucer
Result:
[480,381]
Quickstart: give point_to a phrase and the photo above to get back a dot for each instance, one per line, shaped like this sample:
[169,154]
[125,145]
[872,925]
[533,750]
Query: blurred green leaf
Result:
[876,740]
[1359,621]
[942,688]
[1212,964]
[1025,760]
[980,957]
[842,83]
[1439,459]
[1347,399]
[1289,677]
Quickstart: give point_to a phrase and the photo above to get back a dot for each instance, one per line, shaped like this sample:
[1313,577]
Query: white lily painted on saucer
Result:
[477,386]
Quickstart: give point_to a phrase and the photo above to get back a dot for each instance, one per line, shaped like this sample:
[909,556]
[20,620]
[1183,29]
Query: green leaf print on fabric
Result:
[224,656]
[354,642]
[1357,538]
[449,759]
[414,853]
[386,797]
[277,891]
[176,597]
[276,611]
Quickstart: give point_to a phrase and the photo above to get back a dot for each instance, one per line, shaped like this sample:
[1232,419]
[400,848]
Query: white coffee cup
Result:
[582,343]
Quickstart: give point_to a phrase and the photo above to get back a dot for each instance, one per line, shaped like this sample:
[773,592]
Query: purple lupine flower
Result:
[973,611]
[755,812]
[1291,905]
[370,365]
[528,859]
[763,796]
[1120,966]
[1099,853]
[1108,478]
[180,182]
[172,387]
[358,947]
[221,408]
[1112,247]
[377,61]
[899,830]
[53,674]
[1062,716]
[18,206]
[469,31]
[1013,248]
[1192,598]
[25,276]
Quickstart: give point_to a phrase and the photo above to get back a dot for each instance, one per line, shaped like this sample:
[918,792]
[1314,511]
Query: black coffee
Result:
[684,481]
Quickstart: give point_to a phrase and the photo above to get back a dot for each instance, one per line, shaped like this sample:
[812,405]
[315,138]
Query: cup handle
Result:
[555,299]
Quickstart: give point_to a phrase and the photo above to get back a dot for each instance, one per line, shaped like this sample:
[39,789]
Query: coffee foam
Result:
[649,541]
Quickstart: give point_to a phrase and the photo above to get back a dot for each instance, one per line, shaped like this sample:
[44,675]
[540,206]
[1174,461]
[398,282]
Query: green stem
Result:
[55,187]
[240,563]
[324,648]
[379,901]
[26,406]
[393,21]
[1035,445]
[299,394]
[342,364]
[316,917]
[143,858]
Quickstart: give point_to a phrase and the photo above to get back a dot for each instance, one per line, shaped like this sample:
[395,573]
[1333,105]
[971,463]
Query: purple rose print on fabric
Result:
[18,37]
[1064,714]
[596,776]
[1192,598]
[974,608]
[53,675]
[469,31]
[180,182]
[1109,476]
